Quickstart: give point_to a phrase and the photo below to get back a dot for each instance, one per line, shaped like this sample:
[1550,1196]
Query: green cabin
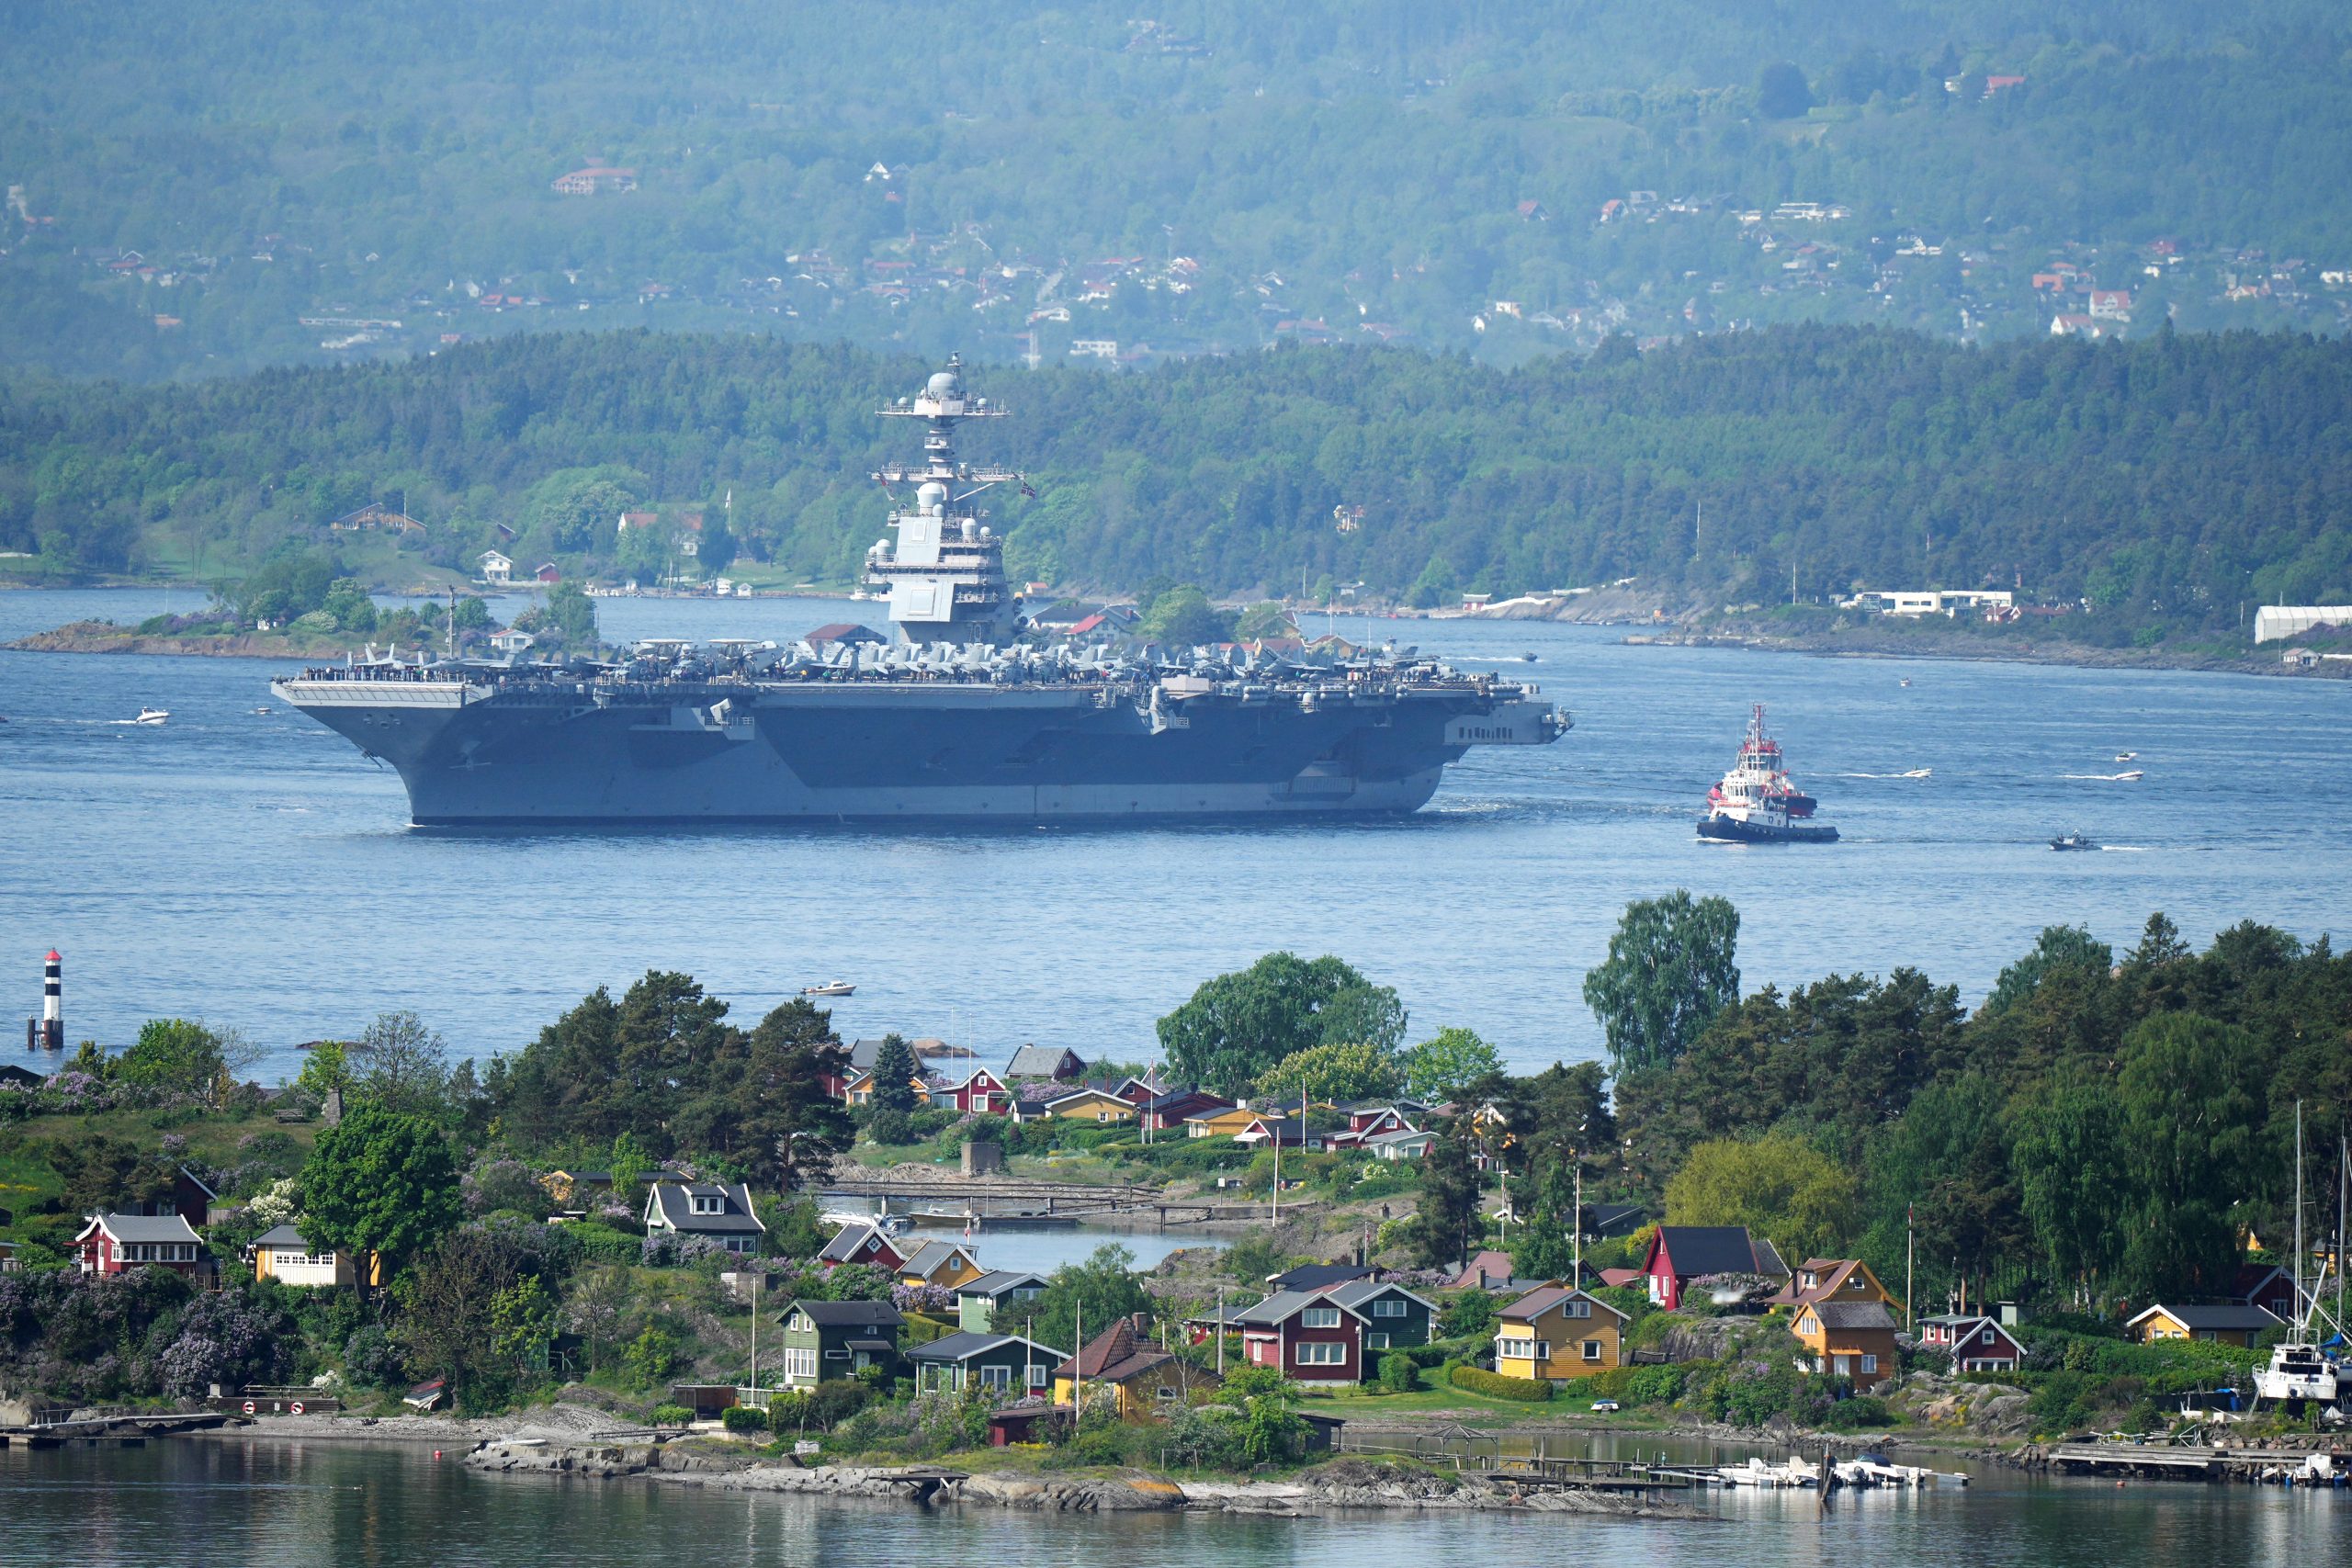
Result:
[1007,1365]
[826,1340]
[1010,1292]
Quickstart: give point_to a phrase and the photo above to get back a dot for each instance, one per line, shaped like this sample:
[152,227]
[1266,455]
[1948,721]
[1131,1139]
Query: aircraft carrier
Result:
[963,717]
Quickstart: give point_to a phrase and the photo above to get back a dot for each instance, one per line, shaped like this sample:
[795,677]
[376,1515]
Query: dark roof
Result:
[1852,1315]
[2233,1315]
[849,1241]
[1316,1276]
[844,631]
[1356,1293]
[281,1236]
[1544,1298]
[964,1346]
[1611,1219]
[1040,1061]
[933,1254]
[847,1314]
[1114,1355]
[734,1218]
[1000,1282]
[1717,1249]
[144,1227]
[1282,1306]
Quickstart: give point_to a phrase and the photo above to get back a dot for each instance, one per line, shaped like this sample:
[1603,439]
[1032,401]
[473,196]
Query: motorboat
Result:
[830,989]
[148,716]
[2074,840]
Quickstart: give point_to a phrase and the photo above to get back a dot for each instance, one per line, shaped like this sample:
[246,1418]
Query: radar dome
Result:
[931,497]
[944,384]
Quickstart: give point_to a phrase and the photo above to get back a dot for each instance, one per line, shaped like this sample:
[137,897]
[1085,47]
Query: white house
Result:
[496,570]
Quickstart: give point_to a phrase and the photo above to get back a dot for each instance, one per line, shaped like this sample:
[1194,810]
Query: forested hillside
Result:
[2167,480]
[195,189]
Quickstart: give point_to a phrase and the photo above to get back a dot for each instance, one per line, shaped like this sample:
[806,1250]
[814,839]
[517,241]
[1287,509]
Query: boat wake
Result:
[2134,777]
[1912,773]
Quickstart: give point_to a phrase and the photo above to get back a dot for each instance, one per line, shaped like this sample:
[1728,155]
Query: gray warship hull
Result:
[549,752]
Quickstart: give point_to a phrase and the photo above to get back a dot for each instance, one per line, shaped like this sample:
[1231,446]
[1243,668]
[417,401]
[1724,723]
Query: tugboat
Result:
[2077,840]
[1756,804]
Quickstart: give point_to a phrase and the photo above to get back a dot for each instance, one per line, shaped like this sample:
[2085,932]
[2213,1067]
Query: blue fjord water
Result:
[253,870]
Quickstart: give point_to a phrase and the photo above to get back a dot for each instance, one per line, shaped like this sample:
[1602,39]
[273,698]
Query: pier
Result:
[2197,1461]
[1046,1200]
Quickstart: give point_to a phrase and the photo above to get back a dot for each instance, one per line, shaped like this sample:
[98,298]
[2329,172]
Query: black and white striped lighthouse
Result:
[46,1033]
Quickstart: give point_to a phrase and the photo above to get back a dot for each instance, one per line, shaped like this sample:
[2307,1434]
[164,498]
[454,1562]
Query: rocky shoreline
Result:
[1344,1485]
[104,637]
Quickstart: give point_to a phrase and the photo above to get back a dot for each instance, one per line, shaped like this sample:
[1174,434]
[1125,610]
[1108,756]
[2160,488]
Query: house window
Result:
[1389,1306]
[1319,1317]
[1325,1353]
[800,1363]
[997,1378]
[1038,1374]
[1579,1309]
[1591,1348]
[707,1205]
[1523,1349]
[1376,1341]
[837,1355]
[1870,1364]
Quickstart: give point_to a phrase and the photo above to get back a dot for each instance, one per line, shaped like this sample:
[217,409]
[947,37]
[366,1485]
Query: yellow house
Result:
[1092,1106]
[1139,1380]
[941,1263]
[2235,1323]
[1224,1122]
[1554,1333]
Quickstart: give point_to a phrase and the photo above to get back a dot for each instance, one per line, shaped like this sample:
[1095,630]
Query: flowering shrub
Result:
[923,1298]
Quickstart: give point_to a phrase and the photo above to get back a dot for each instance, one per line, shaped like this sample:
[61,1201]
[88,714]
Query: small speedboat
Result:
[148,715]
[265,710]
[2074,840]
[2134,776]
[830,989]
[2127,756]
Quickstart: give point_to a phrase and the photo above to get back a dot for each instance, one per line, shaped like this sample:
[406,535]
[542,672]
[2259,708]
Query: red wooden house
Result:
[1310,1337]
[861,1244]
[1679,1254]
[116,1243]
[1977,1344]
[979,1093]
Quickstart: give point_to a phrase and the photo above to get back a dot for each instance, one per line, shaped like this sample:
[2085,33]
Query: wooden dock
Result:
[2191,1462]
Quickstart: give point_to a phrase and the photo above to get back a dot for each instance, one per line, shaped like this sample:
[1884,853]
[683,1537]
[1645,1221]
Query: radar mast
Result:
[944,573]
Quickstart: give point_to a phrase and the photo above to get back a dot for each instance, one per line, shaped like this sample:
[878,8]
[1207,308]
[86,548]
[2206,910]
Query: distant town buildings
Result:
[595,180]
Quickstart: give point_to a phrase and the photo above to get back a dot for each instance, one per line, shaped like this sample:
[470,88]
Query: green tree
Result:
[400,1065]
[1447,1213]
[1337,1073]
[2191,1091]
[1237,1025]
[2071,1149]
[380,1183]
[523,1323]
[1184,617]
[446,1306]
[1781,1188]
[1270,1426]
[177,1054]
[1671,968]
[1781,91]
[894,1075]
[790,1126]
[1105,1284]
[348,603]
[326,1069]
[1448,1062]
[2059,949]
[629,1160]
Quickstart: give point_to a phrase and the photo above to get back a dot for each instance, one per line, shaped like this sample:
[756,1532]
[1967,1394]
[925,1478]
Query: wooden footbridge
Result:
[1016,1199]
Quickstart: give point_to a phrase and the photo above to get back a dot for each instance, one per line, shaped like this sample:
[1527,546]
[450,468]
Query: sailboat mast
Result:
[2303,1314]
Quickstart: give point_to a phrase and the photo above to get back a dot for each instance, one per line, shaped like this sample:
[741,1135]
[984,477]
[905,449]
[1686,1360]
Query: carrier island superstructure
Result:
[961,718]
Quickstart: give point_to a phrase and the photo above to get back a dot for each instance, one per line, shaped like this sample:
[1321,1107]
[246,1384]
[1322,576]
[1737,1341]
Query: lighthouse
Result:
[46,1033]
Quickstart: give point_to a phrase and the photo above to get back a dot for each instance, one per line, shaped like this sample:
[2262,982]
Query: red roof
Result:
[53,958]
